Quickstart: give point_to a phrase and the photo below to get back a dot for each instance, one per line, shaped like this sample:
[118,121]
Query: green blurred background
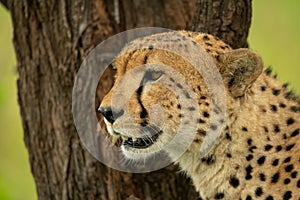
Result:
[274,34]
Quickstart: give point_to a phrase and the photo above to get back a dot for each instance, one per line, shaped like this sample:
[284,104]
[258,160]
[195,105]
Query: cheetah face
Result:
[160,102]
[151,111]
[151,103]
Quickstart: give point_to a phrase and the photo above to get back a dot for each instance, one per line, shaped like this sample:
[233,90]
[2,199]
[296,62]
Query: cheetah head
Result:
[158,93]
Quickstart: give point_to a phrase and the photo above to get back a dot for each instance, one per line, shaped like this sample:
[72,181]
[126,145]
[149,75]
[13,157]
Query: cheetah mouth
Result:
[135,142]
[142,142]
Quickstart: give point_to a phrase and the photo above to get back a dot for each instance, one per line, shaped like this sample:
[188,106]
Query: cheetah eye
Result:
[153,75]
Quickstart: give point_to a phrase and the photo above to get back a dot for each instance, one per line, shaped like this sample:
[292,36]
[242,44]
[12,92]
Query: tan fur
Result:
[261,124]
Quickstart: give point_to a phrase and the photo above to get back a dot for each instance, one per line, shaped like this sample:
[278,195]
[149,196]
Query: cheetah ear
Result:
[239,69]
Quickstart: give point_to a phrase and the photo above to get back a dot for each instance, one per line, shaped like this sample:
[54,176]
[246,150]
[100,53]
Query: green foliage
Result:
[274,34]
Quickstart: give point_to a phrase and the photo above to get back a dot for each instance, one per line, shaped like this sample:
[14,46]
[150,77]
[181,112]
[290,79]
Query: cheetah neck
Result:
[232,168]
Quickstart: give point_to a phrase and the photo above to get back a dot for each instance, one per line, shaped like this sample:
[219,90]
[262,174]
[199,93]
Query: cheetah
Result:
[256,156]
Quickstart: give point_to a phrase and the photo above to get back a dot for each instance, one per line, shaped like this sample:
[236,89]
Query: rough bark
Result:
[230,20]
[51,39]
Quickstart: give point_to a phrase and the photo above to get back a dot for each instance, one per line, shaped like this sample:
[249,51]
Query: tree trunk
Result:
[228,19]
[51,39]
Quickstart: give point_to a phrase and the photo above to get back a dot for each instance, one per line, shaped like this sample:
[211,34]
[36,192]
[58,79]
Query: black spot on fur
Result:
[286,160]
[201,132]
[216,111]
[248,197]
[258,191]
[278,148]
[208,160]
[179,85]
[275,92]
[295,109]
[219,195]
[196,140]
[249,141]
[234,182]
[289,168]
[273,108]
[263,88]
[248,172]
[150,47]
[289,147]
[275,162]
[295,133]
[208,44]
[276,128]
[252,148]
[287,181]
[203,97]
[230,83]
[275,178]
[245,129]
[205,114]
[200,121]
[218,58]
[291,96]
[285,85]
[228,136]
[249,157]
[282,105]
[287,195]
[187,95]
[294,174]
[261,160]
[269,197]
[205,38]
[268,147]
[284,136]
[290,121]
[191,108]
[268,71]
[262,177]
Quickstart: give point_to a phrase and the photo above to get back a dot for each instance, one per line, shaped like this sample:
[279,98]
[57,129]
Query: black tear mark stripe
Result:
[144,114]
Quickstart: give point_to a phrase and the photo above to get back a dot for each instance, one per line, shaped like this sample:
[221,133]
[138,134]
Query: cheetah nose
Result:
[109,114]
